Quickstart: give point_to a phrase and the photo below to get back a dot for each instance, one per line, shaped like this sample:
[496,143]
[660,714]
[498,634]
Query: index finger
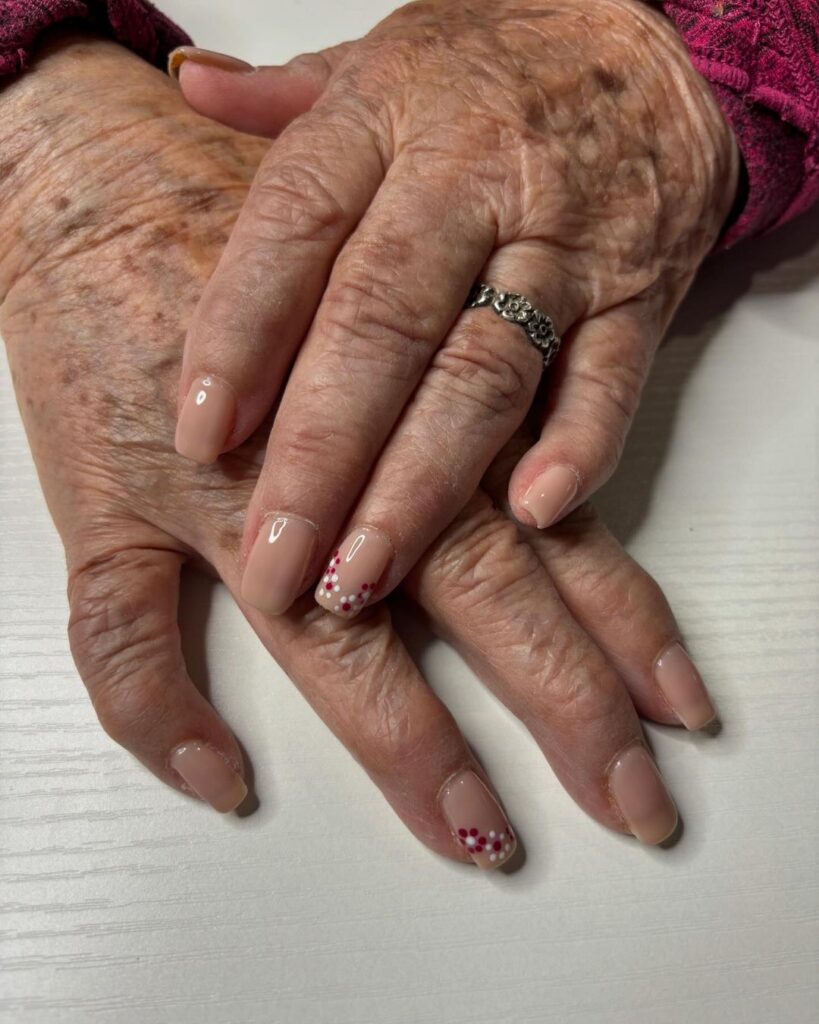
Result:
[308,195]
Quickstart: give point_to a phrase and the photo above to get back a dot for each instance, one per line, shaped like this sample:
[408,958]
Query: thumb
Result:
[123,591]
[261,101]
[594,393]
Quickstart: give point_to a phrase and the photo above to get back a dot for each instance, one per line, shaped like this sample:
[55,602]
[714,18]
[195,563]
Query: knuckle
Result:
[494,374]
[322,453]
[569,687]
[481,560]
[113,633]
[129,711]
[364,686]
[292,200]
[614,387]
[369,308]
[620,595]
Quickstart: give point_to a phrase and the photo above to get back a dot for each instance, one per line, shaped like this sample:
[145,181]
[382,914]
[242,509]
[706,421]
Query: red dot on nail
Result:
[473,831]
[346,606]
[496,845]
[462,832]
[328,586]
[365,586]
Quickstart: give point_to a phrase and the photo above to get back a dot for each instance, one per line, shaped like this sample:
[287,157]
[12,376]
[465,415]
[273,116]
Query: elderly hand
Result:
[566,629]
[567,151]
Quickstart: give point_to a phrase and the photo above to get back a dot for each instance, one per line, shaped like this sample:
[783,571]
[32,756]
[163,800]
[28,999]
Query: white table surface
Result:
[124,902]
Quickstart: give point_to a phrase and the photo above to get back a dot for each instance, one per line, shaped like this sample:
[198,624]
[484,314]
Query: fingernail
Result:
[210,58]
[550,494]
[477,821]
[209,775]
[205,421]
[353,572]
[277,563]
[683,688]
[638,789]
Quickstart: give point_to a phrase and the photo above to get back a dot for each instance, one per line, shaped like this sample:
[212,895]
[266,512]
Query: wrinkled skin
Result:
[562,149]
[116,215]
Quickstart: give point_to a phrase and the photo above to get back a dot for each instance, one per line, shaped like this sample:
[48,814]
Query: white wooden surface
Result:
[124,903]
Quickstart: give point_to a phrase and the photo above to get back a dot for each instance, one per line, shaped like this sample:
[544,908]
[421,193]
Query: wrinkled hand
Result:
[564,150]
[563,627]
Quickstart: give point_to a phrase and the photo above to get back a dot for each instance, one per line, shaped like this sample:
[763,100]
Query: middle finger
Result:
[395,290]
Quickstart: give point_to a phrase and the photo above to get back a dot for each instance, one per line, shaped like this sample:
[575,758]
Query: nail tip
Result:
[234,800]
[176,58]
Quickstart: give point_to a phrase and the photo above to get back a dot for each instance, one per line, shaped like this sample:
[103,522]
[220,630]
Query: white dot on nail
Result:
[470,841]
[493,856]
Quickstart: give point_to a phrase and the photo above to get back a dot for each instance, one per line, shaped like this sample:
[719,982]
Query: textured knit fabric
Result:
[135,23]
[760,56]
[762,60]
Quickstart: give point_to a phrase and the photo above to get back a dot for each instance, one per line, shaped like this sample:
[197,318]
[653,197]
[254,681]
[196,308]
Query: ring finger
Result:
[496,603]
[474,395]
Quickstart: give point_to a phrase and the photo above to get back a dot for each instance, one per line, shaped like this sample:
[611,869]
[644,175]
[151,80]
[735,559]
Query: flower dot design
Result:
[496,845]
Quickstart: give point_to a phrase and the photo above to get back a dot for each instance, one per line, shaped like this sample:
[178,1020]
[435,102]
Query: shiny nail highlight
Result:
[352,575]
[206,420]
[550,493]
[683,688]
[209,775]
[637,788]
[210,58]
[275,568]
[477,820]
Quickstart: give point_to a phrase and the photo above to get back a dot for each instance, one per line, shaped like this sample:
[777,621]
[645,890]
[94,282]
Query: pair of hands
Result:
[566,151]
[116,216]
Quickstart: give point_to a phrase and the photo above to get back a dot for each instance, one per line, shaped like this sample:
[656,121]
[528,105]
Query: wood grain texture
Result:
[125,903]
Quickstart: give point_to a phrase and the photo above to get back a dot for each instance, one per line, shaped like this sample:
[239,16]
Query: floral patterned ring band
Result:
[539,328]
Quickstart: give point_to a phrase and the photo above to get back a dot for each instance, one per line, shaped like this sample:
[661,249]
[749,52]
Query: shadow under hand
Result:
[785,261]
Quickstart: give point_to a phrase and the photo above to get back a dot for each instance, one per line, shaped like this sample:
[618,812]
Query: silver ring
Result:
[539,328]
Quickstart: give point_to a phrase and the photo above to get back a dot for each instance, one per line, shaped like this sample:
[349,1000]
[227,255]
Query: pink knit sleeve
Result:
[762,60]
[135,23]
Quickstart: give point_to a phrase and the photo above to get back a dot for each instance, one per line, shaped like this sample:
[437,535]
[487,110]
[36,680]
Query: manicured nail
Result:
[277,563]
[353,573]
[683,687]
[206,420]
[639,791]
[210,58]
[209,775]
[477,821]
[550,494]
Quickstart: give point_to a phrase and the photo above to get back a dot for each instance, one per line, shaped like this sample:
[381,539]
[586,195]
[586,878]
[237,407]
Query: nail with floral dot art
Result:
[477,820]
[351,576]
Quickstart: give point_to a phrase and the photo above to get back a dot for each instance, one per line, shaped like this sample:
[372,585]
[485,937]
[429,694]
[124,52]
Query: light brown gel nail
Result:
[639,791]
[209,775]
[206,420]
[352,575]
[277,563]
[477,820]
[210,58]
[683,688]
